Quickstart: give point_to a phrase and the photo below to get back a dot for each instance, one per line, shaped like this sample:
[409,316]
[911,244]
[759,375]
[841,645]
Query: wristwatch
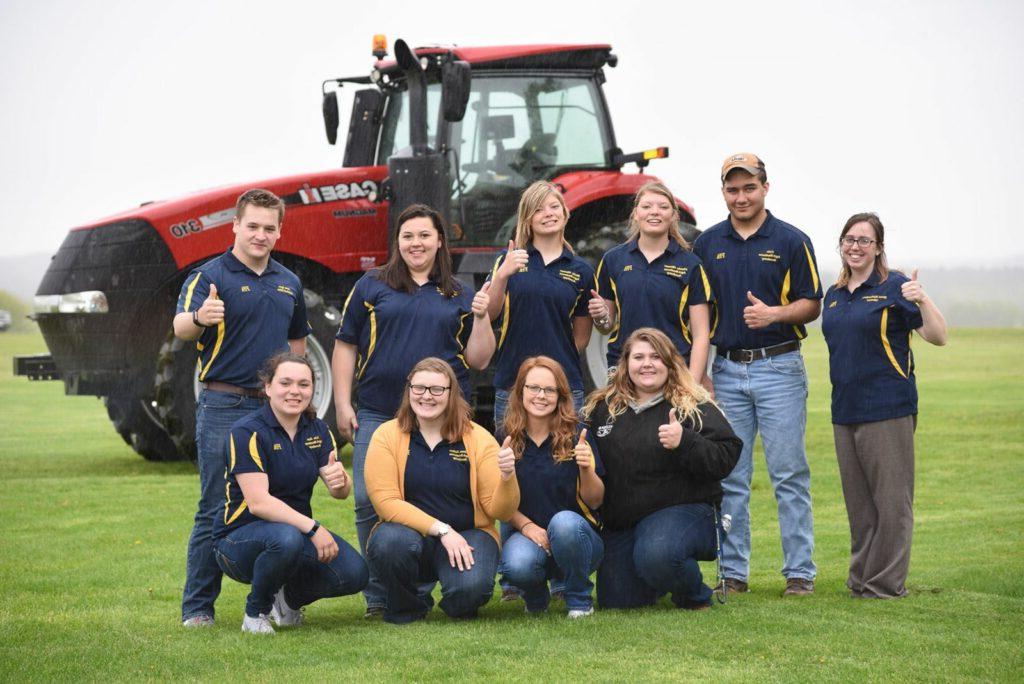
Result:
[443,529]
[195,319]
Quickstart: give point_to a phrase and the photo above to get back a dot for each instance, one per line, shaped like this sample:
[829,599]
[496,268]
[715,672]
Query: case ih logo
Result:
[333,193]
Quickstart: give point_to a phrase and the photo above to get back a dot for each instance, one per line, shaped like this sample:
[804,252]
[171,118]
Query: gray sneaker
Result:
[257,625]
[577,614]
[284,615]
[198,621]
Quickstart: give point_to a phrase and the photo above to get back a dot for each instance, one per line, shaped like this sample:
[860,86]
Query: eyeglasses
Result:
[537,390]
[848,241]
[435,390]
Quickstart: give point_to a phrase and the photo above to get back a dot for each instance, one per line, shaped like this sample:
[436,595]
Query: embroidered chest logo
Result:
[246,288]
[627,267]
[604,430]
[570,276]
[459,455]
[314,442]
[770,256]
[285,290]
[277,447]
[720,255]
[676,271]
[874,298]
[832,305]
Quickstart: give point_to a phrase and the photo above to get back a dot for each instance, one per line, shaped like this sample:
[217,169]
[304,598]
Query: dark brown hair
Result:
[562,423]
[881,264]
[269,370]
[395,273]
[457,414]
[258,197]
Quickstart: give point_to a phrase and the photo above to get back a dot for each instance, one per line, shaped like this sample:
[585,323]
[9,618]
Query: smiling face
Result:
[654,214]
[549,219]
[418,242]
[291,388]
[647,370]
[859,259]
[428,407]
[540,392]
[256,232]
[744,195]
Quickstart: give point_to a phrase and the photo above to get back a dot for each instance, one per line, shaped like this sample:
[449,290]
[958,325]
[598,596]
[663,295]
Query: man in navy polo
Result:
[241,308]
[766,286]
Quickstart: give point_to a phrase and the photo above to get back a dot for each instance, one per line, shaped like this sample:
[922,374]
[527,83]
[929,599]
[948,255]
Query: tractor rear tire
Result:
[139,429]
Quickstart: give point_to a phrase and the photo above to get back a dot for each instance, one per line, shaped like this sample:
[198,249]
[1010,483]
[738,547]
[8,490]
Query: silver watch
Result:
[443,529]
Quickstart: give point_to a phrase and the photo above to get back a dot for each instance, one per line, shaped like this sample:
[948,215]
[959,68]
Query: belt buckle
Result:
[747,356]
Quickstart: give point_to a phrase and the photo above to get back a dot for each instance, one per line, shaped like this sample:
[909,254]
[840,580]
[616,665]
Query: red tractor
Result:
[462,129]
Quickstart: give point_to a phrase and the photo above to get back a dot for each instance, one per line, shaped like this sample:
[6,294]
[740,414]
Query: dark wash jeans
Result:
[658,556]
[216,412]
[402,559]
[269,555]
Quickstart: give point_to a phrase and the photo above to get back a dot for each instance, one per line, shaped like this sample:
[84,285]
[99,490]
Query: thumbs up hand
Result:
[480,301]
[671,433]
[597,307]
[912,290]
[212,310]
[506,459]
[584,454]
[334,475]
[515,259]
[758,314]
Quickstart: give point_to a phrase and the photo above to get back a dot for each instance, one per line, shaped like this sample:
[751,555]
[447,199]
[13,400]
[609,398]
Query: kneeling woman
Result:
[437,483]
[560,487]
[267,536]
[665,448]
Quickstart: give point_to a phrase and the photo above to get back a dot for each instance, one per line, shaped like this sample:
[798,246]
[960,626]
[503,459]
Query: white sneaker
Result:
[257,625]
[575,614]
[284,615]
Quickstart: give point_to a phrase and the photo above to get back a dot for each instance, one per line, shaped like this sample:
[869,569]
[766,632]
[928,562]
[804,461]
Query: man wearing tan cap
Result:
[765,281]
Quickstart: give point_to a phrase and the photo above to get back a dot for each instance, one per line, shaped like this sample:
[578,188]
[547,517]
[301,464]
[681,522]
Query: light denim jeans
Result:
[216,412]
[768,396]
[366,516]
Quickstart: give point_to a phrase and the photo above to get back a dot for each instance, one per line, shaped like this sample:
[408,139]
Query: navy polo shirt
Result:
[258,444]
[776,264]
[261,313]
[394,331]
[547,487]
[540,304]
[437,481]
[871,364]
[654,294]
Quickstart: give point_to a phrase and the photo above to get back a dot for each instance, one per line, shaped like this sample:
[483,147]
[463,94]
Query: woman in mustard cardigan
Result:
[437,482]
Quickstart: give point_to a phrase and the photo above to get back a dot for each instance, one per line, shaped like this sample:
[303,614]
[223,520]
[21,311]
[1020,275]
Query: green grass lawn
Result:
[93,551]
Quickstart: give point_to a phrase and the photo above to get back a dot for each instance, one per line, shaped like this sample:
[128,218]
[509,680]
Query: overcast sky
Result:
[913,109]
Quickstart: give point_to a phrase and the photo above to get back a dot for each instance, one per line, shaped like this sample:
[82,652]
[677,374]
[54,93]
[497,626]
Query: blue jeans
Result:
[216,412]
[576,551]
[270,555]
[501,406]
[768,396]
[404,559]
[366,516]
[658,556]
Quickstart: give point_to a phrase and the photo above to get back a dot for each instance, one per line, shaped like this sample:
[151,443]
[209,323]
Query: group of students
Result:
[629,482]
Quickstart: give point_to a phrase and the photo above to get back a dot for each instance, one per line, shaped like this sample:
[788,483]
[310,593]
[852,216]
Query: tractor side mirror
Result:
[455,78]
[331,116]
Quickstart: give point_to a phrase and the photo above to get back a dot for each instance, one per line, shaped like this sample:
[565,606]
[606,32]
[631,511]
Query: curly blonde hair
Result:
[681,392]
[563,422]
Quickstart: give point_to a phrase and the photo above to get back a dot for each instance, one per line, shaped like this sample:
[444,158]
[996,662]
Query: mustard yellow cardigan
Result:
[384,473]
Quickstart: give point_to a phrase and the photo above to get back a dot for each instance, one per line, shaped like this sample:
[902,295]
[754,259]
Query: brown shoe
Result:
[798,586]
[510,594]
[735,586]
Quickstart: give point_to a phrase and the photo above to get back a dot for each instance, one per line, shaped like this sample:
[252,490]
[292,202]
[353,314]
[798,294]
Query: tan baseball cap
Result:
[748,161]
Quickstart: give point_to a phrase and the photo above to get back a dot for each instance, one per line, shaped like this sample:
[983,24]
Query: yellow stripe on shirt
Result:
[682,306]
[373,338]
[887,347]
[584,508]
[191,289]
[254,452]
[810,265]
[216,350]
[505,311]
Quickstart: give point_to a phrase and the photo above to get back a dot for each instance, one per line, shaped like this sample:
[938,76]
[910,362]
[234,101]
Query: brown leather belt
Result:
[216,386]
[751,355]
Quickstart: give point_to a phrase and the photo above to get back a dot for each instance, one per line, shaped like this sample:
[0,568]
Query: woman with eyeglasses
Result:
[654,280]
[438,481]
[868,319]
[410,308]
[665,446]
[560,489]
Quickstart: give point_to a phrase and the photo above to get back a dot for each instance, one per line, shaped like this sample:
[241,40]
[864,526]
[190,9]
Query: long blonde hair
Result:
[681,392]
[673,229]
[532,199]
[457,414]
[562,423]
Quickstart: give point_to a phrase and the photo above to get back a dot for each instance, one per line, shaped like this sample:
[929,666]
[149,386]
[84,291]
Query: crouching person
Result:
[437,483]
[267,536]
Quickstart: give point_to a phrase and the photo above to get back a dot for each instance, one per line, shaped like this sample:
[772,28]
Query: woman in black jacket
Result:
[665,447]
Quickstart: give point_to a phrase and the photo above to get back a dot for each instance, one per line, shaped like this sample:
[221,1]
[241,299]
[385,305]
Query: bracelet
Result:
[312,531]
[528,523]
[195,319]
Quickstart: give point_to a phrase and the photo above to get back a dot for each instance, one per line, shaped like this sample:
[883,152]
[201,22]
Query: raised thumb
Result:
[332,458]
[913,274]
[507,444]
[583,436]
[673,416]
[511,245]
[486,287]
[594,294]
[213,291]
[752,299]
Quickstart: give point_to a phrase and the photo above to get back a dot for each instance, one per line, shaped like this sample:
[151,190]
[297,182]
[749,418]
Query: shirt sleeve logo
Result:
[314,442]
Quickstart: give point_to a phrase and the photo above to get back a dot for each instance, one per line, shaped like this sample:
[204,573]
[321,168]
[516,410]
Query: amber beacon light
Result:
[380,46]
